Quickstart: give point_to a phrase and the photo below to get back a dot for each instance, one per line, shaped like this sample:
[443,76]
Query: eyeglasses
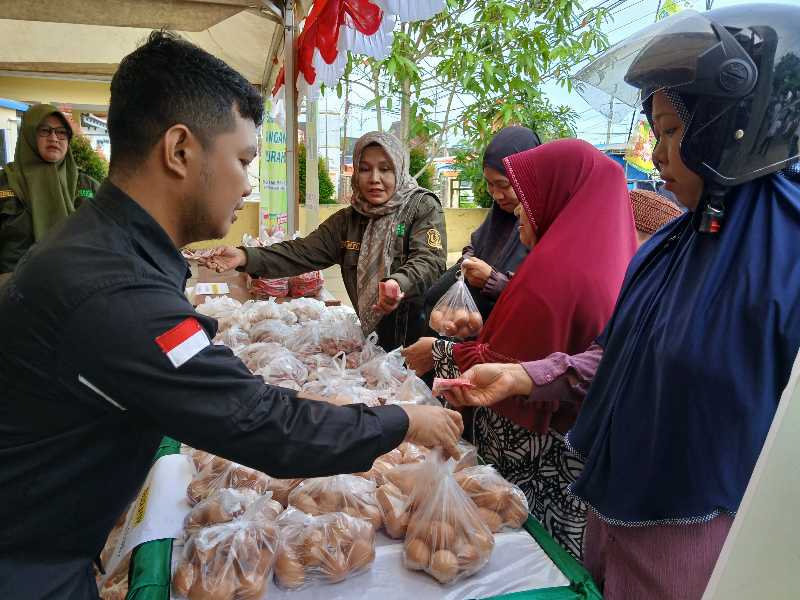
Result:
[61,132]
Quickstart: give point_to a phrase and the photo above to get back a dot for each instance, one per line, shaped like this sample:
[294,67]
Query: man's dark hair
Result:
[167,81]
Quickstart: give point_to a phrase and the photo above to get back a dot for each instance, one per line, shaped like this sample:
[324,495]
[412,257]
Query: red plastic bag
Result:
[307,284]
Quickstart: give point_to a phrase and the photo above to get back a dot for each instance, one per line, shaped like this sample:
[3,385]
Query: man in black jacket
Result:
[101,354]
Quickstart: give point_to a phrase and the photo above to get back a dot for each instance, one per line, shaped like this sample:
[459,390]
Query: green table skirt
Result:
[151,564]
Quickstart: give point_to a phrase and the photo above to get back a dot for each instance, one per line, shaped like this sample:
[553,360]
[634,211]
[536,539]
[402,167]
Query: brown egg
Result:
[474,322]
[463,332]
[494,498]
[467,556]
[335,568]
[417,554]
[361,554]
[217,588]
[404,479]
[268,510]
[441,535]
[493,521]
[444,566]
[252,587]
[312,539]
[312,556]
[289,573]
[515,514]
[483,541]
[471,485]
[304,502]
[183,579]
[396,526]
[449,328]
[281,488]
[328,501]
[373,515]
[197,490]
[436,320]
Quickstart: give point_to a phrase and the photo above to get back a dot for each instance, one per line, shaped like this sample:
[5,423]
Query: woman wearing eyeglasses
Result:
[41,187]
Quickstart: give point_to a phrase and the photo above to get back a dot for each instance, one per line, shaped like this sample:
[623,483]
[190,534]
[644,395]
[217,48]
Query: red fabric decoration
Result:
[321,31]
[564,292]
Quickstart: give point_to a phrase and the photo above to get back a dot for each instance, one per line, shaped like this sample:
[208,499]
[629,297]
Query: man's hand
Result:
[432,426]
[476,271]
[419,355]
[389,296]
[493,383]
[224,258]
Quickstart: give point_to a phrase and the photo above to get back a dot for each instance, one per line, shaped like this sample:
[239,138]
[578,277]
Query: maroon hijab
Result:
[565,290]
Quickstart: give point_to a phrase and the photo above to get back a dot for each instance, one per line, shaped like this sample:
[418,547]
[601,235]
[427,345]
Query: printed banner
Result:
[272,175]
[639,152]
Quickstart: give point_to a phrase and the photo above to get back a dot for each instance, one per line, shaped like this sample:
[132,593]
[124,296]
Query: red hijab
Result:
[564,292]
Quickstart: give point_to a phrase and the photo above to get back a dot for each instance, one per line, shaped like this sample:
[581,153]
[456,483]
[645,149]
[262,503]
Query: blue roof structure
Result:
[13,105]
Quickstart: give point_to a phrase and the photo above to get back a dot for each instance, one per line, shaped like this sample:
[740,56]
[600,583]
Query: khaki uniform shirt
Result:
[420,257]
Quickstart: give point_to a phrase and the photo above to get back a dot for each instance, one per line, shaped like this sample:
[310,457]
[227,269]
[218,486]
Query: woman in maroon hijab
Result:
[576,217]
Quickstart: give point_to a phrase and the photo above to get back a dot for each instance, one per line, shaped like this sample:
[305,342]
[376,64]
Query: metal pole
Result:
[312,174]
[292,203]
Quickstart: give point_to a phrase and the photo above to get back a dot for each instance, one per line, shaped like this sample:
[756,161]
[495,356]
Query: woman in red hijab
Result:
[576,217]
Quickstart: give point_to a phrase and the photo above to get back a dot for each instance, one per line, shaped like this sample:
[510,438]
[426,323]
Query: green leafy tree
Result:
[419,164]
[326,188]
[470,163]
[492,58]
[87,159]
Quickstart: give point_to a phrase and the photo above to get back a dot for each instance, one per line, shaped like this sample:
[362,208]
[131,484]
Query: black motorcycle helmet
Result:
[738,68]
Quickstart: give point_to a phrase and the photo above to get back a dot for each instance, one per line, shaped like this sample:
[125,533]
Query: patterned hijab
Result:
[48,189]
[375,258]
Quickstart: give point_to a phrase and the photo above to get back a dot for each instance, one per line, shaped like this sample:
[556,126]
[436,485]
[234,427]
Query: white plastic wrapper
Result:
[446,537]
[385,371]
[456,314]
[234,337]
[272,330]
[254,312]
[228,504]
[283,366]
[307,309]
[501,504]
[350,494]
[227,561]
[328,548]
[219,307]
[340,332]
[262,354]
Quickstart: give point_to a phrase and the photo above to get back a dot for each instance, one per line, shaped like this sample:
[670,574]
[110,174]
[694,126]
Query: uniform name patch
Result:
[434,238]
[348,245]
[183,341]
[7,193]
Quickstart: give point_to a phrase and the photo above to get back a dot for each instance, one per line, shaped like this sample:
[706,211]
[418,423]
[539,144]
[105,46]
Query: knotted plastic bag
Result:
[456,315]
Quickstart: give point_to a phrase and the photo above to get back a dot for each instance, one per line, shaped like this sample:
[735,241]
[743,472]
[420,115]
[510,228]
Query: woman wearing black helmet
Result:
[706,329]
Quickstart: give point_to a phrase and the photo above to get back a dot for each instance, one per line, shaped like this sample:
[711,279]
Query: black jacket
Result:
[90,385]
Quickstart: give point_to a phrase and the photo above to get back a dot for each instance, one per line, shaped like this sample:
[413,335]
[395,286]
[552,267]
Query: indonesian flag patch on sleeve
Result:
[183,341]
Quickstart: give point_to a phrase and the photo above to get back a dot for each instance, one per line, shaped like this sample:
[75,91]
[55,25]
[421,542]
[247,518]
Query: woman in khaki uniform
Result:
[390,243]
[41,187]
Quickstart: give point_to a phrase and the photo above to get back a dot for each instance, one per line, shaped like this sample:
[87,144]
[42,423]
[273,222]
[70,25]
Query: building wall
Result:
[460,222]
[67,91]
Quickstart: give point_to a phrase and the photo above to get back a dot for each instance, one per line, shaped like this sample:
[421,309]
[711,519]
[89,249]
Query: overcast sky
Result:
[628,16]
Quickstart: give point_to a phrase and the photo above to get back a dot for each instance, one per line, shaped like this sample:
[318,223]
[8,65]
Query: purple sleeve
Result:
[563,377]
[495,285]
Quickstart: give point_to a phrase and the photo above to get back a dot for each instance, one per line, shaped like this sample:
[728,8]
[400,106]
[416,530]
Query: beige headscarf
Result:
[375,258]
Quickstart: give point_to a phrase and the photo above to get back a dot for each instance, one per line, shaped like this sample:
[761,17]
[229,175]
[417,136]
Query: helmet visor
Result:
[668,53]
